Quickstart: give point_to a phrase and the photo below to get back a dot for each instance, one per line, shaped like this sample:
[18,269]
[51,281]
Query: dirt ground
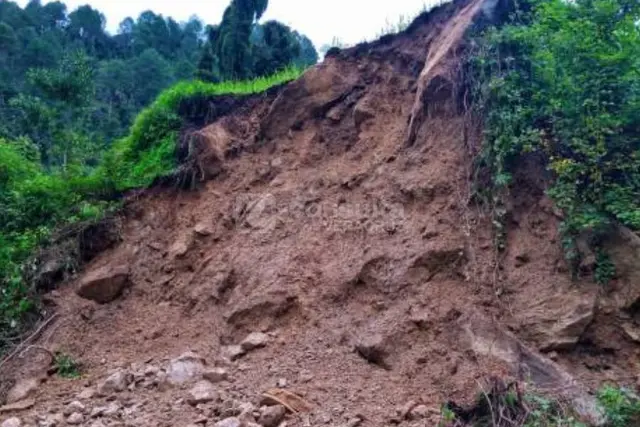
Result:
[359,256]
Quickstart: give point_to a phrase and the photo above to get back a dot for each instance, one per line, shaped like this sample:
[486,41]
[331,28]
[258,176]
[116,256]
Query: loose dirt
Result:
[364,260]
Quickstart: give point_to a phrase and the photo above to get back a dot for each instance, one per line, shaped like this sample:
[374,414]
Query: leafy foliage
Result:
[66,366]
[562,81]
[621,406]
[32,203]
[148,152]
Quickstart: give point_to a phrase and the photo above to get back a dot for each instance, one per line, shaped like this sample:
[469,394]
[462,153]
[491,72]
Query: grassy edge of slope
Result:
[148,152]
[59,198]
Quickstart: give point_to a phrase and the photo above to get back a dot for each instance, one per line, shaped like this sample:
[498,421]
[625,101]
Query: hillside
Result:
[330,246]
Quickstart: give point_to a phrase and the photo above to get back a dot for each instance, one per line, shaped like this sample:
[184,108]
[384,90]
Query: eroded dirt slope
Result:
[340,224]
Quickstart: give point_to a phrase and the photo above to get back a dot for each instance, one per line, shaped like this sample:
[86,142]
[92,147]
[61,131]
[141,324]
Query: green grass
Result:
[148,152]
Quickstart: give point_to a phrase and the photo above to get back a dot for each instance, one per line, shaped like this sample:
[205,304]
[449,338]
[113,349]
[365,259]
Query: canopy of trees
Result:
[72,88]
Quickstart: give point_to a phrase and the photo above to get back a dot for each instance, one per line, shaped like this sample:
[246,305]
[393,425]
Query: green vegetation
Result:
[148,152]
[66,366]
[507,405]
[561,83]
[73,88]
[68,93]
[621,406]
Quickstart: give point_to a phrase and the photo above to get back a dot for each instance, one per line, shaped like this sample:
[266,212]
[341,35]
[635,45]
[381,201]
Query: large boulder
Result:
[105,284]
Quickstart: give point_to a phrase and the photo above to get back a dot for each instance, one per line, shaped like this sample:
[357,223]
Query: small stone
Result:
[282,383]
[203,229]
[115,383]
[271,416]
[233,352]
[112,410]
[371,348]
[75,419]
[73,407]
[254,340]
[354,422]
[188,367]
[87,393]
[216,375]
[104,284]
[228,422]
[55,420]
[202,392]
[23,389]
[12,422]
[419,412]
[97,424]
[179,249]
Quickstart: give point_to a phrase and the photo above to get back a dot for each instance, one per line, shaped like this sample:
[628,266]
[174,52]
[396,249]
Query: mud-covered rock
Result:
[215,375]
[202,392]
[233,352]
[229,422]
[104,284]
[567,330]
[254,340]
[22,390]
[272,416]
[186,368]
[115,383]
[75,419]
[372,348]
[12,422]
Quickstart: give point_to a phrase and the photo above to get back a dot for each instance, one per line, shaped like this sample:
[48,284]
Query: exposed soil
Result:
[363,257]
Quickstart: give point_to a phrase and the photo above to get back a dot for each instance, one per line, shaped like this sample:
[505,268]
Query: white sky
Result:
[321,20]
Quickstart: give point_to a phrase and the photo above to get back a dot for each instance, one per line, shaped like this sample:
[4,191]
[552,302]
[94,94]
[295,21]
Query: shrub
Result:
[148,152]
[562,81]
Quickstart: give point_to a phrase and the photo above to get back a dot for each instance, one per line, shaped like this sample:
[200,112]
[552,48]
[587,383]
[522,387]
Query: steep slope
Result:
[337,218]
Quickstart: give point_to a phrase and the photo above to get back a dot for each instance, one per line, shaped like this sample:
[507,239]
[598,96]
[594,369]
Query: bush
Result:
[562,81]
[148,152]
[32,204]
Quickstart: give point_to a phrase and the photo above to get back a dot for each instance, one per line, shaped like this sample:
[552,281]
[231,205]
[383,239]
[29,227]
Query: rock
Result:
[203,229]
[179,249]
[12,422]
[567,330]
[87,393]
[371,348]
[354,422]
[112,410]
[115,383]
[418,412]
[18,406]
[54,420]
[23,389]
[104,284]
[73,407]
[362,112]
[97,424]
[216,375]
[75,419]
[186,368]
[202,392]
[233,352]
[229,422]
[282,383]
[254,340]
[271,416]
[631,331]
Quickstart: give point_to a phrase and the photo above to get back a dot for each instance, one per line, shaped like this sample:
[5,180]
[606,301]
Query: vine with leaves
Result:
[562,79]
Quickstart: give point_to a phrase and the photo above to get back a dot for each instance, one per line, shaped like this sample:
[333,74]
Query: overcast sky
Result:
[350,20]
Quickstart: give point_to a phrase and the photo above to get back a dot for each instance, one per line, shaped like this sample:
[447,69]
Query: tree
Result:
[276,48]
[231,45]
